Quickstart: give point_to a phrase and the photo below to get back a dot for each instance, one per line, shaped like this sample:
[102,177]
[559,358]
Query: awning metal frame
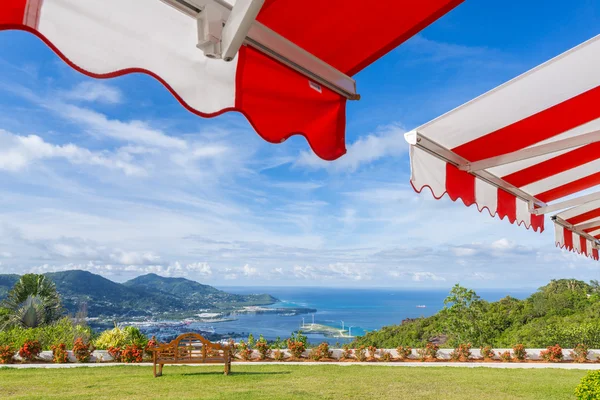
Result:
[223,29]
[414,138]
[559,221]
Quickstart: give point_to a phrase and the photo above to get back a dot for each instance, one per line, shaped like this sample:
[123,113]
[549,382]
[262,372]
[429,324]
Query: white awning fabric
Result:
[285,64]
[522,148]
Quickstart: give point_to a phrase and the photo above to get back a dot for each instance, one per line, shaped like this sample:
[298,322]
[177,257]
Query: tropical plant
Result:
[245,351]
[580,353]
[82,350]
[115,353]
[278,355]
[263,348]
[120,337]
[552,354]
[60,354]
[429,352]
[461,353]
[385,355]
[6,354]
[30,350]
[519,352]
[61,331]
[296,344]
[132,354]
[320,352]
[487,353]
[32,302]
[360,353]
[150,345]
[404,352]
[346,352]
[505,356]
[589,387]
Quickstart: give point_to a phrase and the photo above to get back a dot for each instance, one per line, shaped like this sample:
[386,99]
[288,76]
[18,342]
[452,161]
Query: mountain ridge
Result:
[148,295]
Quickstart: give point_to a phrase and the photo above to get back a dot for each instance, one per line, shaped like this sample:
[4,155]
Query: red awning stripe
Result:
[554,166]
[570,188]
[534,129]
[443,178]
[584,217]
[572,241]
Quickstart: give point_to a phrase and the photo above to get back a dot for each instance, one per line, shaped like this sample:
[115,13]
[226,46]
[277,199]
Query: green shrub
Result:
[580,353]
[589,387]
[519,352]
[296,344]
[372,352]
[404,352]
[62,331]
[552,354]
[121,337]
[30,350]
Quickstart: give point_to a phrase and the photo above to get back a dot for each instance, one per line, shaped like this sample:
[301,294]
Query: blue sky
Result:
[115,177]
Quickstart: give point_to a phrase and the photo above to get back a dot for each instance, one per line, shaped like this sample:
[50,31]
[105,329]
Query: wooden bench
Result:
[190,348]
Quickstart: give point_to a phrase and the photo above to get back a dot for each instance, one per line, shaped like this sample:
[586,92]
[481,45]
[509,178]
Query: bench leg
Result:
[227,367]
[160,367]
[154,370]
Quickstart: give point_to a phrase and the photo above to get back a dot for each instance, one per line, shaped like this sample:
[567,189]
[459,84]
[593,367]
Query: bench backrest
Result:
[191,347]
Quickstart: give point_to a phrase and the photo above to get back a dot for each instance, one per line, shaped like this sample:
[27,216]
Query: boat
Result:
[421,306]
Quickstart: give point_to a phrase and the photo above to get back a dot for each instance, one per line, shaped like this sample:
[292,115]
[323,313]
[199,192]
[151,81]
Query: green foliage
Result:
[30,350]
[404,352]
[505,356]
[82,350]
[7,353]
[62,331]
[121,337]
[59,353]
[461,353]
[487,353]
[429,352]
[564,311]
[589,387]
[32,302]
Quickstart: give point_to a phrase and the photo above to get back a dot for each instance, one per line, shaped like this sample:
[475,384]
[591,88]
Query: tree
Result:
[33,301]
[464,310]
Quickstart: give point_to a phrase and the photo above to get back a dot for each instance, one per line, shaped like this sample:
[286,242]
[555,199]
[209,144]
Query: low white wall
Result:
[443,354]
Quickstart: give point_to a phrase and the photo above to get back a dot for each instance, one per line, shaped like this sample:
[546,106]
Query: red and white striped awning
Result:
[285,64]
[522,148]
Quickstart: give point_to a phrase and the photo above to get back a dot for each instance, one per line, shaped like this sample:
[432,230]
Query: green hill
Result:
[565,312]
[147,295]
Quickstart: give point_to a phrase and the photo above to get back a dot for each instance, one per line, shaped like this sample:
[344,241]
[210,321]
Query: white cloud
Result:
[19,152]
[387,141]
[91,91]
[134,258]
[5,254]
[346,271]
[503,244]
[426,276]
[463,251]
[249,271]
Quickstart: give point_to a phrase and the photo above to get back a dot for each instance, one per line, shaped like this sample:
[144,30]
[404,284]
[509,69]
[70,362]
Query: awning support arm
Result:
[531,152]
[414,138]
[559,221]
[567,204]
[221,27]
[588,225]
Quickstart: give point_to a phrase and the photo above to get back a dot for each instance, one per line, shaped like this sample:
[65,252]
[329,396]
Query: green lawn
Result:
[289,382]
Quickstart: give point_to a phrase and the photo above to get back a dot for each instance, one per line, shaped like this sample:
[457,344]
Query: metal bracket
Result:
[578,201]
[223,29]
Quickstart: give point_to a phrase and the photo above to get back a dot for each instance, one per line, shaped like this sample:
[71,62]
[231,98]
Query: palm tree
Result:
[33,301]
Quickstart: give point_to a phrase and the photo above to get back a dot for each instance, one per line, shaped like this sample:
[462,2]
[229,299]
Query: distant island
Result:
[149,297]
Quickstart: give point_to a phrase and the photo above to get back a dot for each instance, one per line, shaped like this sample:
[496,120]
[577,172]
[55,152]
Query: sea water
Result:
[361,310]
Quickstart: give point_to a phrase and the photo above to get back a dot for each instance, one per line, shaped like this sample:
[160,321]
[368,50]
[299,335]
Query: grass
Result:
[289,382]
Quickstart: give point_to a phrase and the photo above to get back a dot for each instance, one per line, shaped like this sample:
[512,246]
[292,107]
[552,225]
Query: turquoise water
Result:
[363,309]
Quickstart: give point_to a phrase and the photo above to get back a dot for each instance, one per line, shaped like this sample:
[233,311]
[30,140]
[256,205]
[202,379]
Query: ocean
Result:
[361,310]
